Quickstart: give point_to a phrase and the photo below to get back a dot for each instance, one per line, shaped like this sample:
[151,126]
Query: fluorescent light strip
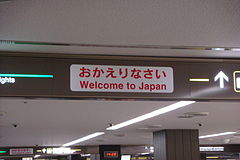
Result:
[36,156]
[27,75]
[83,139]
[199,80]
[216,135]
[212,157]
[152,114]
[218,49]
[235,49]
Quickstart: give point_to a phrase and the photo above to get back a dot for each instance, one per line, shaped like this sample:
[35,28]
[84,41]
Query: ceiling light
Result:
[185,116]
[216,135]
[150,127]
[83,139]
[144,153]
[199,80]
[85,155]
[218,49]
[152,114]
[197,114]
[27,158]
[212,157]
[36,156]
[235,49]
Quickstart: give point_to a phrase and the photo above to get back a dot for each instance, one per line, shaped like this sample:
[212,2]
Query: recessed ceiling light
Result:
[235,49]
[144,153]
[216,135]
[150,127]
[83,139]
[155,126]
[36,156]
[185,116]
[152,114]
[218,49]
[212,157]
[197,114]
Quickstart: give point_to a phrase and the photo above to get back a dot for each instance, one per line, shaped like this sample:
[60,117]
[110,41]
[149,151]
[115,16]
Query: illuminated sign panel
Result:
[41,151]
[57,150]
[148,78]
[106,78]
[211,149]
[21,151]
[3,151]
[27,158]
[110,154]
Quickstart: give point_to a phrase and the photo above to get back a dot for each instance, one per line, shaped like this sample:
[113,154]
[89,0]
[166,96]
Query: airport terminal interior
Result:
[119,79]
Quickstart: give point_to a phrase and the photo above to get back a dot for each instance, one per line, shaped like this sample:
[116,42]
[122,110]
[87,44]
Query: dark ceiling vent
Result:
[193,114]
[100,140]
[119,135]
[197,114]
[150,127]
[185,116]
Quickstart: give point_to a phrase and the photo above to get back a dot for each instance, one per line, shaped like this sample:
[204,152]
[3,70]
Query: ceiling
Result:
[213,23]
[55,122]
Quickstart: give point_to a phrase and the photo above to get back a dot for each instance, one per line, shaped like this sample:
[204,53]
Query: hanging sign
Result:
[21,151]
[211,149]
[121,78]
[105,78]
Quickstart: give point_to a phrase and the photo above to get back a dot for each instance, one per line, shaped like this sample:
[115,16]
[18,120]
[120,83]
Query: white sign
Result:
[104,78]
[211,149]
[21,151]
[27,158]
[58,150]
[4,80]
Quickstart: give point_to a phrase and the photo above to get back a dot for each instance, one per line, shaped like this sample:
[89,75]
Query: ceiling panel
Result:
[122,22]
[55,122]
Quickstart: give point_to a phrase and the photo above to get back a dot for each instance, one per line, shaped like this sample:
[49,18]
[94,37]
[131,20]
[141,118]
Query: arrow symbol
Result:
[221,76]
[44,150]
